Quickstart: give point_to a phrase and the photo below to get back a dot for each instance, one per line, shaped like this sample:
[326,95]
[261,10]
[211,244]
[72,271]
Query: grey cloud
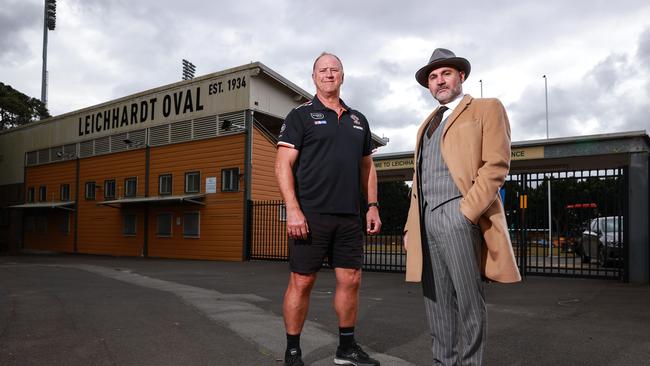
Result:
[364,94]
[637,119]
[17,17]
[643,52]
[607,74]
[387,67]
[124,47]
[572,105]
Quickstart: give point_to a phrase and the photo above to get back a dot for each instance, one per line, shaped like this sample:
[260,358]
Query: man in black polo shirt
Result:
[323,158]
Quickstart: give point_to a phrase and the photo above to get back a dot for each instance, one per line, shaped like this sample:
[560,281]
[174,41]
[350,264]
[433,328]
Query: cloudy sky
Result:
[595,53]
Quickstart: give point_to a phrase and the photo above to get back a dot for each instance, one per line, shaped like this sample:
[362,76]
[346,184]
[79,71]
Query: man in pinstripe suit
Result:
[456,233]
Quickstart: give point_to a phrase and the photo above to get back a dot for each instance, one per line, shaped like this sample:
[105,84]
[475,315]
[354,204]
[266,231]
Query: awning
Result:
[189,198]
[64,205]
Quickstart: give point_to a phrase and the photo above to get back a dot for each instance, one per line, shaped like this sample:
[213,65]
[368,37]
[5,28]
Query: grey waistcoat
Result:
[437,185]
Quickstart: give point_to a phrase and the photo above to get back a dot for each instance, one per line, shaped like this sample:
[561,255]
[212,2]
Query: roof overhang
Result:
[64,205]
[160,200]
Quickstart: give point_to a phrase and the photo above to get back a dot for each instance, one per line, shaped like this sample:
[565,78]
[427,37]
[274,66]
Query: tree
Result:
[18,109]
[394,200]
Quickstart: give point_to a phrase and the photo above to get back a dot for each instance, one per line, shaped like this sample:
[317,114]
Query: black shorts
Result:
[339,237]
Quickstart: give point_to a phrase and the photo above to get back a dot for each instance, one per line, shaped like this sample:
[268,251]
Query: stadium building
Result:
[167,172]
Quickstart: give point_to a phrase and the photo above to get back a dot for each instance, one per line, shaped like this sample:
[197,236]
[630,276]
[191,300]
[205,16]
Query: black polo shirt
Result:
[327,171]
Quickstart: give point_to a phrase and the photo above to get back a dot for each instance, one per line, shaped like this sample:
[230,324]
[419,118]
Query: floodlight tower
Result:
[49,23]
[188,70]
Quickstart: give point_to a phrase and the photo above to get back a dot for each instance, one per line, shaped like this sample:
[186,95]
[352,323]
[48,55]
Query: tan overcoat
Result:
[476,148]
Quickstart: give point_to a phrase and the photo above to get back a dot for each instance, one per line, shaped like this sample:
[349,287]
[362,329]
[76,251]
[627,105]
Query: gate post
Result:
[523,247]
[248,229]
[636,220]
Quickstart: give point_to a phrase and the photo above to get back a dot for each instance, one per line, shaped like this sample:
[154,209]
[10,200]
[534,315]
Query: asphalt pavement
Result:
[99,310]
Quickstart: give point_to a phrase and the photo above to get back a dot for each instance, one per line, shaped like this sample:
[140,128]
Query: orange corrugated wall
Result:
[222,217]
[100,227]
[51,176]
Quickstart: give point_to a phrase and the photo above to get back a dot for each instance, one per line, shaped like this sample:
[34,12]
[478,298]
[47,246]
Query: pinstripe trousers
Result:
[457,313]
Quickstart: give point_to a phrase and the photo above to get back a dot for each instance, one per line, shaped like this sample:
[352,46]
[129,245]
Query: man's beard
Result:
[455,92]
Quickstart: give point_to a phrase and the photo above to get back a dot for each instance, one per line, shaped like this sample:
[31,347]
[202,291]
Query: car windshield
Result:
[609,224]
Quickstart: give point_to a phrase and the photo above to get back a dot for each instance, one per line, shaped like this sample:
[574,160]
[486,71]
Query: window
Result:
[129,224]
[30,194]
[230,180]
[191,224]
[64,192]
[41,224]
[65,224]
[165,184]
[4,217]
[42,193]
[192,182]
[164,224]
[90,190]
[130,187]
[109,188]
[30,224]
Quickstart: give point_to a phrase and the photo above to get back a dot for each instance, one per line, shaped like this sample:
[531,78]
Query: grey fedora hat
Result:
[439,58]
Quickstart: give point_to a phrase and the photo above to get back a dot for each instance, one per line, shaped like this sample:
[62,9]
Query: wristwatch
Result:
[371,204]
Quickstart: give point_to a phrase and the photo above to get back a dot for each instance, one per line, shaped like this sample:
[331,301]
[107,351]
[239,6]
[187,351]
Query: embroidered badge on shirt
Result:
[355,119]
[317,116]
[320,122]
[358,127]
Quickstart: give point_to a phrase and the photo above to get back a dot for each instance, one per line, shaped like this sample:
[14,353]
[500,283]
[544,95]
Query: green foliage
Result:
[394,201]
[18,109]
[603,189]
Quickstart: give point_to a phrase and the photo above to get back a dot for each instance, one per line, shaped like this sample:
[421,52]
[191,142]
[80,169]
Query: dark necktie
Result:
[435,121]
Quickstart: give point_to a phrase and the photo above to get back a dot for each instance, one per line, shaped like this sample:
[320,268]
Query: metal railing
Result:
[578,242]
[268,240]
[573,244]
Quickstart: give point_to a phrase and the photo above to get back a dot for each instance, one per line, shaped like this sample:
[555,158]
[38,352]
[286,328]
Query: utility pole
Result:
[49,23]
[550,217]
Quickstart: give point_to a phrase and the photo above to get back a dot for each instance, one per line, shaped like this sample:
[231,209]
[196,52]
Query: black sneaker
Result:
[292,357]
[354,356]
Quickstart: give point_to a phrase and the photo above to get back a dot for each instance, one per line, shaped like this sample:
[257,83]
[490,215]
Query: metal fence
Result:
[577,228]
[569,223]
[268,240]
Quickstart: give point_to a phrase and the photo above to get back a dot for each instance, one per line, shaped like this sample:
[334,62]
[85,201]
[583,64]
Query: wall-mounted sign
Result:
[211,185]
[527,153]
[392,164]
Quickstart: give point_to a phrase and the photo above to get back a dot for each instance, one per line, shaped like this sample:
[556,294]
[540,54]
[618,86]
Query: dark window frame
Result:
[41,225]
[125,227]
[160,184]
[198,181]
[230,180]
[31,192]
[42,193]
[107,191]
[126,186]
[30,224]
[64,192]
[171,225]
[90,191]
[64,227]
[198,225]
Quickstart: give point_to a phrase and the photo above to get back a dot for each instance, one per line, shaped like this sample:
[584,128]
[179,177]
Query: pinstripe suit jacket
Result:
[476,148]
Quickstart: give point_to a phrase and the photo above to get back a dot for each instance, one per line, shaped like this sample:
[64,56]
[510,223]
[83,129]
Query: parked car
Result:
[602,240]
